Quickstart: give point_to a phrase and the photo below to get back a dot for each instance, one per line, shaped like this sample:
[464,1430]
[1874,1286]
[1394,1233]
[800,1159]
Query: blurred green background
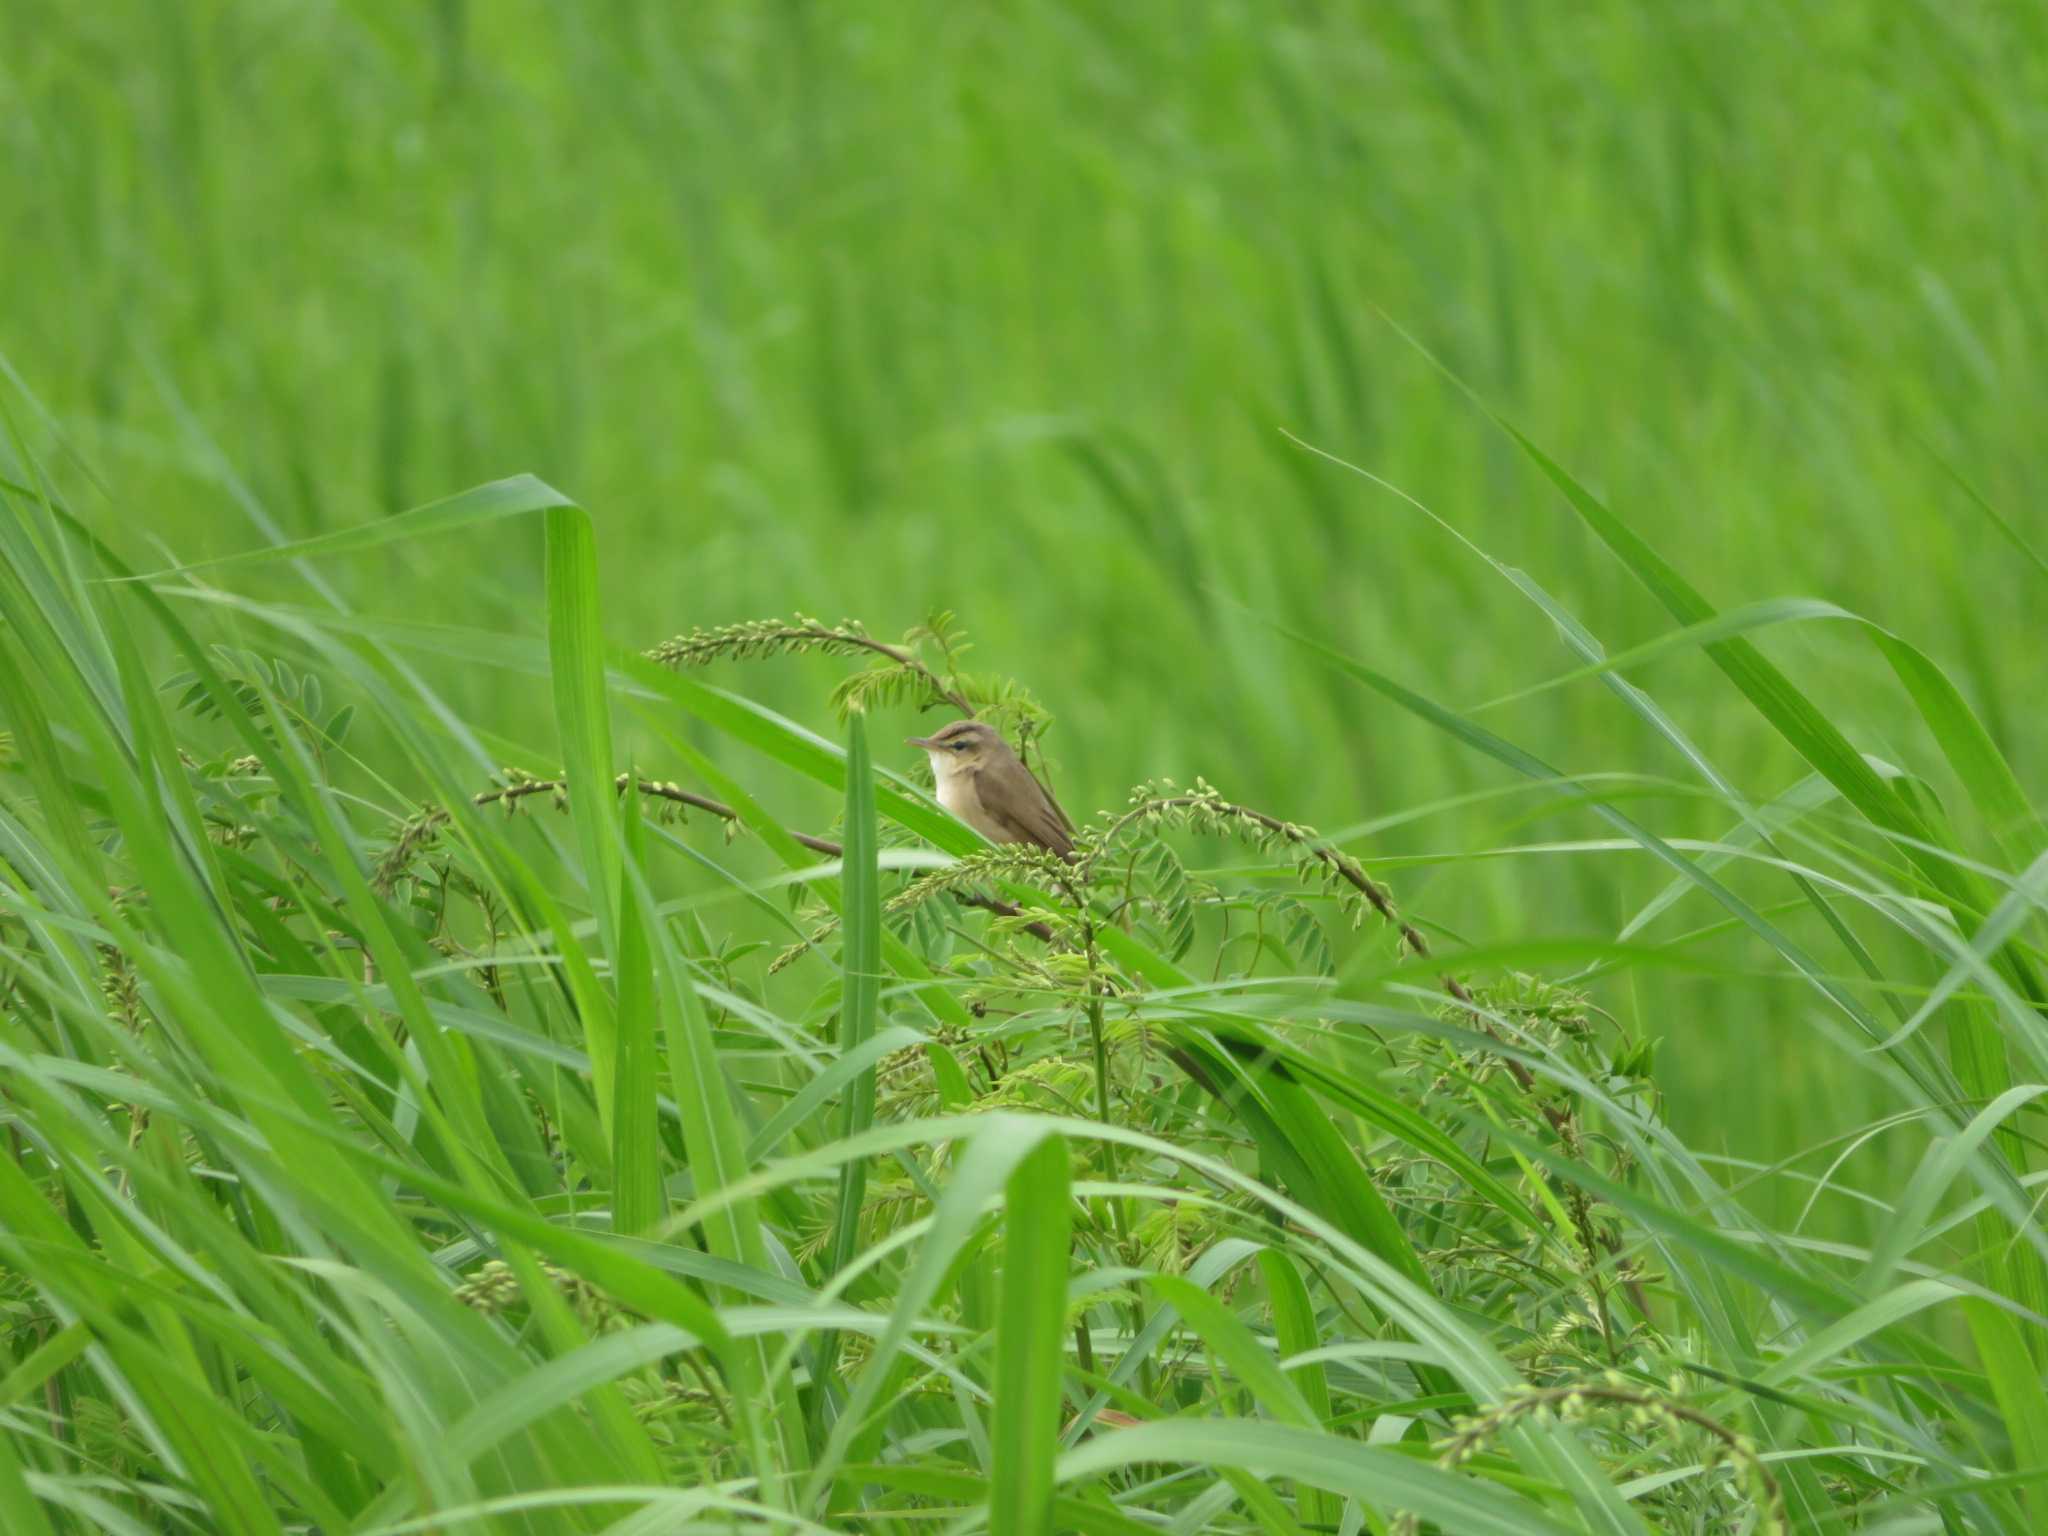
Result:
[865,310]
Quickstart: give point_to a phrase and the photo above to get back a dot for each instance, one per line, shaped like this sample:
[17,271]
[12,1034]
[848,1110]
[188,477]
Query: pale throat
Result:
[956,792]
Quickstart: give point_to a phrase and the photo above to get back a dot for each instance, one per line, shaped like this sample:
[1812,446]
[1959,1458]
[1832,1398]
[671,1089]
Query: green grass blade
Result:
[20,1509]
[1294,1333]
[1525,763]
[1030,1343]
[638,1199]
[1379,1479]
[1315,1164]
[860,976]
[583,720]
[1238,1348]
[518,496]
[1975,1048]
[1985,774]
[2015,1384]
[981,1171]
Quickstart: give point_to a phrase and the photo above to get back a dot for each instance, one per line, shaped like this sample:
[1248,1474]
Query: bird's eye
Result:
[959,746]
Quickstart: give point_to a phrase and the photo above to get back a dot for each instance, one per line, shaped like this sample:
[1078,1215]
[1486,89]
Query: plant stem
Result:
[661,789]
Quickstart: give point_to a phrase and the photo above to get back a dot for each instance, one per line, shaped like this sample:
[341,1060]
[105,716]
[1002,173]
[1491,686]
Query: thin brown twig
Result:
[655,789]
[659,789]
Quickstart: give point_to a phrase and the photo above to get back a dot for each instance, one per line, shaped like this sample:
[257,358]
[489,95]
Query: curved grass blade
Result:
[860,974]
[1379,1479]
[1295,1334]
[638,1199]
[859,990]
[1030,1343]
[515,496]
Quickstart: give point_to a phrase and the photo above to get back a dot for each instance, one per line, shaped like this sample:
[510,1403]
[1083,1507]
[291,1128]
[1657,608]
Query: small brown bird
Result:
[985,784]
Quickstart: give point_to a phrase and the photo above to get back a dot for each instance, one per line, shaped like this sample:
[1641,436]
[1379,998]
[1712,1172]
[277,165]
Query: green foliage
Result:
[398,1141]
[263,689]
[291,277]
[779,1276]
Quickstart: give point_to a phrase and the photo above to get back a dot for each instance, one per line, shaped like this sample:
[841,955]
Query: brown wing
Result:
[1037,820]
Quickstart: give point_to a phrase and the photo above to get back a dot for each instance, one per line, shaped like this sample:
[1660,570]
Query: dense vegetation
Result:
[494,1034]
[376,1169]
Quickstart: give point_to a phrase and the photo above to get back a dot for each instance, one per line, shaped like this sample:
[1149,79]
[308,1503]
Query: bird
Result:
[985,784]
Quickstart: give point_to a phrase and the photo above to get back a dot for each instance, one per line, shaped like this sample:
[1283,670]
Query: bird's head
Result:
[961,747]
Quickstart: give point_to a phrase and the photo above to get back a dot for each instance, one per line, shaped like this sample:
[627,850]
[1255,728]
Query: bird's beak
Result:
[921,741]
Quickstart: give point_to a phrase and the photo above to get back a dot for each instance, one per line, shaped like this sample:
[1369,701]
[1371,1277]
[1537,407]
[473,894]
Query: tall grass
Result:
[499,1168]
[1014,305]
[405,1121]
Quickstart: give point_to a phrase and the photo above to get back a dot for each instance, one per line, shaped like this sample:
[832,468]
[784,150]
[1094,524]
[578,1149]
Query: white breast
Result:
[956,794]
